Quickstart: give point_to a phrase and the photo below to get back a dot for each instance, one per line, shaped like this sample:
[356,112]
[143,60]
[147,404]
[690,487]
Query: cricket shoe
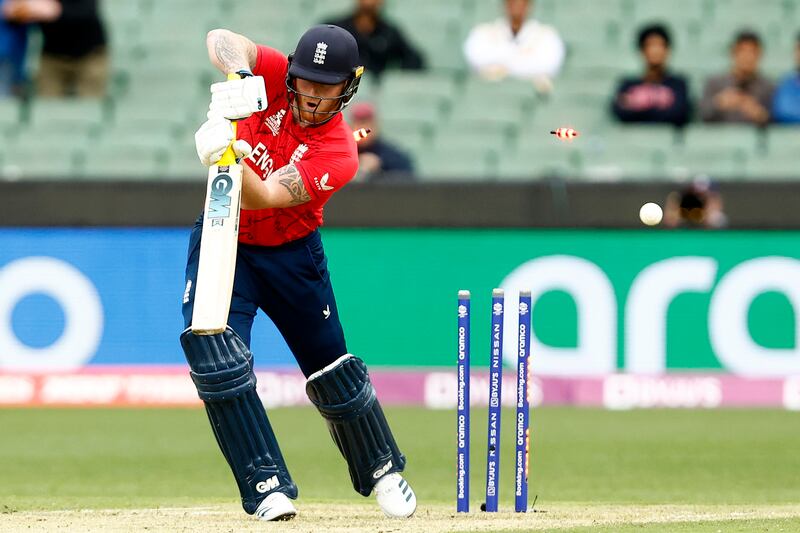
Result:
[395,496]
[276,506]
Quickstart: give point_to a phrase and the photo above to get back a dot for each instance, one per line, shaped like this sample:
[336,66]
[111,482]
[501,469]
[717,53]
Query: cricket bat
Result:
[214,284]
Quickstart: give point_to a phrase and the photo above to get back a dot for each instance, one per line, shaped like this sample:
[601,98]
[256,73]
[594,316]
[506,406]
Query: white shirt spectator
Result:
[535,52]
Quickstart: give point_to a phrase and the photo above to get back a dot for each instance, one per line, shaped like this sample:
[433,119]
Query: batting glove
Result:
[214,137]
[238,99]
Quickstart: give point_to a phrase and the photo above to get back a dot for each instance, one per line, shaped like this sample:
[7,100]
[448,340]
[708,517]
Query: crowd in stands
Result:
[381,43]
[74,57]
[657,95]
[741,95]
[519,46]
[378,159]
[786,103]
[698,204]
[514,48]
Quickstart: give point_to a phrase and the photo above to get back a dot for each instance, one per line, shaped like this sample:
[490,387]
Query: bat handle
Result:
[229,157]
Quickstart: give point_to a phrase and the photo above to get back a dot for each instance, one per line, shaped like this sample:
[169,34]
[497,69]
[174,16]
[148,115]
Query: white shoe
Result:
[395,496]
[276,506]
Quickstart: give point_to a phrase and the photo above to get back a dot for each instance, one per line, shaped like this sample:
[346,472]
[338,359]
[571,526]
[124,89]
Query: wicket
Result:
[522,432]
[462,496]
[523,412]
[495,403]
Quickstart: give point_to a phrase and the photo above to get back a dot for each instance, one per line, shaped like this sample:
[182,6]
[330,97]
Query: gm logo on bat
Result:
[219,205]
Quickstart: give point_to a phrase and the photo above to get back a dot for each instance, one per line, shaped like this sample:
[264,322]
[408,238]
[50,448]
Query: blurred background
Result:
[463,99]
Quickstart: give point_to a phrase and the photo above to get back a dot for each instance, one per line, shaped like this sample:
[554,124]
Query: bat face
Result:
[214,284]
[218,245]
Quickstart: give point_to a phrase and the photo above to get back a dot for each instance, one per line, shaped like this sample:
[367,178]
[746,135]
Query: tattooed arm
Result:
[284,188]
[230,52]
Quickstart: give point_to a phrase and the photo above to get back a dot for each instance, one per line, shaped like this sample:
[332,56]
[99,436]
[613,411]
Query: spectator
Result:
[382,45]
[515,46]
[743,95]
[378,159]
[74,56]
[786,104]
[698,205]
[15,15]
[657,96]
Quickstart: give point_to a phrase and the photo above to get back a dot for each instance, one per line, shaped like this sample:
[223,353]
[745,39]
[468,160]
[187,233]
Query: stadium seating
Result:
[454,125]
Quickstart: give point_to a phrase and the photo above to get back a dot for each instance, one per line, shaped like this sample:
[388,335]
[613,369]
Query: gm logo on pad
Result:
[267,484]
[381,471]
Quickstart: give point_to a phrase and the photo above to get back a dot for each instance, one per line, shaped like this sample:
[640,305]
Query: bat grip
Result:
[229,156]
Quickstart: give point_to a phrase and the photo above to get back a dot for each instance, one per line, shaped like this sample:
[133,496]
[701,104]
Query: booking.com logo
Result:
[78,299]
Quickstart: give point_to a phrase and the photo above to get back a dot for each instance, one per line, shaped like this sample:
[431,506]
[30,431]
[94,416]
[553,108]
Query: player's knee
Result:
[222,370]
[345,397]
[221,364]
[346,370]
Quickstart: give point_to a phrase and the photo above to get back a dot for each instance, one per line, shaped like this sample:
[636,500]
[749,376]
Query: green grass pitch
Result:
[583,462]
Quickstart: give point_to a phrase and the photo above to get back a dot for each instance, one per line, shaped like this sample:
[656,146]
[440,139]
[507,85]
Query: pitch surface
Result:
[592,470]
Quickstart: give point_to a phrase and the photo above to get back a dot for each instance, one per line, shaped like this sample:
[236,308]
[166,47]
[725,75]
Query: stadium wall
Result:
[623,319]
[543,204]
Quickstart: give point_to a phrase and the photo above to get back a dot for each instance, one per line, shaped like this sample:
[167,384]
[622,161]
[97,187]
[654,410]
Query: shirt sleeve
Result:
[272,65]
[327,171]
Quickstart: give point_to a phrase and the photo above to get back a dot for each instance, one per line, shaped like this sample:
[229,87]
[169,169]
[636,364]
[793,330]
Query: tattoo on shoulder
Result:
[228,54]
[290,178]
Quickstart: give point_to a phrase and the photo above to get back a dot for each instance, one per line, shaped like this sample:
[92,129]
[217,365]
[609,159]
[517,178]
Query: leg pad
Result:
[222,371]
[344,395]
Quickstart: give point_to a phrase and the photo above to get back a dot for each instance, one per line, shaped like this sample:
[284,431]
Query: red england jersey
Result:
[326,157]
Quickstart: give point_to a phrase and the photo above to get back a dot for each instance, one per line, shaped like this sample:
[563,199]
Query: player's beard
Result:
[313,117]
[309,118]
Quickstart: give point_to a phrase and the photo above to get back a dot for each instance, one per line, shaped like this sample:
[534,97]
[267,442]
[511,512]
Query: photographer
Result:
[698,205]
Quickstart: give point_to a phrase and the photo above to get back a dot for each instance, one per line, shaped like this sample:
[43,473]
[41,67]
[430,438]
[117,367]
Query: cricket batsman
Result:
[297,151]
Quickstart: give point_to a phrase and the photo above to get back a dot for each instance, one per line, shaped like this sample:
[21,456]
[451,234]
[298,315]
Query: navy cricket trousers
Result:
[291,284]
